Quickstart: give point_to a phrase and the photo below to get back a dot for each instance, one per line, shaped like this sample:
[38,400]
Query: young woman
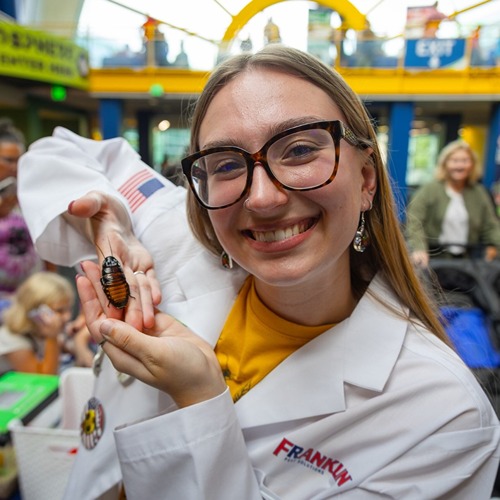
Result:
[297,355]
[451,214]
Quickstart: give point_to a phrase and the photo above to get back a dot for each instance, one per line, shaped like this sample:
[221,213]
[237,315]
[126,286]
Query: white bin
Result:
[45,454]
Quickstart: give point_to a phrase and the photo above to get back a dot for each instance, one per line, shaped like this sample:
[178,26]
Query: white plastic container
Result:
[46,448]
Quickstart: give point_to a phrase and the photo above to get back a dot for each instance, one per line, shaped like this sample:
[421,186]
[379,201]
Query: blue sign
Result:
[433,53]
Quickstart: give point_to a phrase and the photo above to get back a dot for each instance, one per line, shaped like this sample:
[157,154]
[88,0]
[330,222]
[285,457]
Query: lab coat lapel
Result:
[308,383]
[362,350]
[208,293]
[376,337]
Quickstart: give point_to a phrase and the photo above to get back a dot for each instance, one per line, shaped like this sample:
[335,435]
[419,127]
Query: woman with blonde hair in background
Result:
[450,215]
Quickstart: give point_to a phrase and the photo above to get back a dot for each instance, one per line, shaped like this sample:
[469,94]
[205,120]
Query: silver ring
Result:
[102,342]
[139,272]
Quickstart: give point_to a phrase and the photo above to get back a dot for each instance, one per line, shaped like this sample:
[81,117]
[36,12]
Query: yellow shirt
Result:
[254,340]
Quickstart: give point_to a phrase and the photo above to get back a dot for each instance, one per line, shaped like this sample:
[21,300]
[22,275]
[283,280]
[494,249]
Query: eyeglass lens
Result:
[301,160]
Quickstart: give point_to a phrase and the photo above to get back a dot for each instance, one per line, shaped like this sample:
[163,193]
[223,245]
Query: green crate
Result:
[23,396]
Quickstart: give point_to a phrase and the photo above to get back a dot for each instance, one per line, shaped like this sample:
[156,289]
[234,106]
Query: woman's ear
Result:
[369,174]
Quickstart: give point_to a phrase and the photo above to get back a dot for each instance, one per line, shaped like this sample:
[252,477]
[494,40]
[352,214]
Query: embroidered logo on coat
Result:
[313,459]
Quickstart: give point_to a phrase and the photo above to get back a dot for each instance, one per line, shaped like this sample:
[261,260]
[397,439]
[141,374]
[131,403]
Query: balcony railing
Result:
[353,51]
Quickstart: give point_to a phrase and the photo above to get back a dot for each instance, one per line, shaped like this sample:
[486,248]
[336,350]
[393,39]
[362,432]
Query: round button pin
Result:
[92,426]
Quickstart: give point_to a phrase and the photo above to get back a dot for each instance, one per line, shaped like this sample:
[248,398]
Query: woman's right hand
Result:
[420,258]
[110,228]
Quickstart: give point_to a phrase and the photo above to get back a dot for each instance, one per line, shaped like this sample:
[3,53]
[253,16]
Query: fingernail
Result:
[70,206]
[106,327]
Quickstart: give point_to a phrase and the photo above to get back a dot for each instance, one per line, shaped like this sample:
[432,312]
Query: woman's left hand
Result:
[168,356]
[490,253]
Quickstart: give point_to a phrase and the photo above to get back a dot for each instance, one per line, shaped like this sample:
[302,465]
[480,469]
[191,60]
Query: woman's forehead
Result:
[268,88]
[11,147]
[257,102]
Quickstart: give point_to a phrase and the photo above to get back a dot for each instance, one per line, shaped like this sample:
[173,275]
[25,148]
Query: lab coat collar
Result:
[207,293]
[362,351]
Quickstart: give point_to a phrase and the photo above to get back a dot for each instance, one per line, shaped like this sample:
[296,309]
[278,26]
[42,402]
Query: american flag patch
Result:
[139,188]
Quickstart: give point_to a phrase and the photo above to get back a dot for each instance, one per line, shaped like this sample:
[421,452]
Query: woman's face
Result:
[9,156]
[10,153]
[50,321]
[459,166]
[286,238]
[63,308]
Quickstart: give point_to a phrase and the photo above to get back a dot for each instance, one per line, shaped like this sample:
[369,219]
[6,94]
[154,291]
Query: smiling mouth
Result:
[281,234]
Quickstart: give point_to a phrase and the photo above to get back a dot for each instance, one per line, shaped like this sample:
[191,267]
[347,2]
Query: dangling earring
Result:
[361,238]
[226,260]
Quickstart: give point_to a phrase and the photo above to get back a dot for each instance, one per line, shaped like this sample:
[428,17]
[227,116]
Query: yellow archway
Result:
[352,17]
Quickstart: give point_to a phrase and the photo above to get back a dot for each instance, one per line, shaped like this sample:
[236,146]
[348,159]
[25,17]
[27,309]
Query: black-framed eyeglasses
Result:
[301,158]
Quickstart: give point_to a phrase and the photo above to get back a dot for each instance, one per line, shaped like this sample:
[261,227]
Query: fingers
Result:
[420,258]
[173,359]
[124,346]
[144,297]
[95,304]
[155,287]
[93,273]
[111,232]
[148,293]
[91,306]
[139,312]
[87,205]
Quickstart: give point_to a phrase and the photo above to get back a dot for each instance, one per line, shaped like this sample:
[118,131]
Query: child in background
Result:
[34,324]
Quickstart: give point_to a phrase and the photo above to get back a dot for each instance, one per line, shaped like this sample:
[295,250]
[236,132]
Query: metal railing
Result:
[352,51]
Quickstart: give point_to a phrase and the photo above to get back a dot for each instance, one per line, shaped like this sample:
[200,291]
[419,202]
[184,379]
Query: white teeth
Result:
[279,234]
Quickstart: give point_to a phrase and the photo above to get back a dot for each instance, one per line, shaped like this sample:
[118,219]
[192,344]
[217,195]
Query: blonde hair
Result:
[387,253]
[43,287]
[451,148]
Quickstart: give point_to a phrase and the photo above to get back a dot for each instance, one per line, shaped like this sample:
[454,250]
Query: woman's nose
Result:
[264,193]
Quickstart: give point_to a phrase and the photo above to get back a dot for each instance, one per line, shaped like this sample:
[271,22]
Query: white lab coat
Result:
[372,408]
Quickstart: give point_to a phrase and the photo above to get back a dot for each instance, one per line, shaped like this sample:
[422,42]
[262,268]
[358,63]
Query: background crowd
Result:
[41,330]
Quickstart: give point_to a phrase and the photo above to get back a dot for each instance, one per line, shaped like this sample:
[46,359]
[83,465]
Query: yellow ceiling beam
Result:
[396,84]
[125,82]
[391,83]
[470,7]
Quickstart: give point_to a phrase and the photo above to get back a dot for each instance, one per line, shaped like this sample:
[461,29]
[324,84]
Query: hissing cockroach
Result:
[113,282]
